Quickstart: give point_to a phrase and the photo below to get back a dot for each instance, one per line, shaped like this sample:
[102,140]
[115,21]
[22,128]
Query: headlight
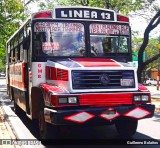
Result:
[141,98]
[62,100]
[67,100]
[72,99]
[137,98]
[145,98]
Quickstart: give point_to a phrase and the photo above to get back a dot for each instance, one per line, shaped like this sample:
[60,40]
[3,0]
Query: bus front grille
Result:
[100,79]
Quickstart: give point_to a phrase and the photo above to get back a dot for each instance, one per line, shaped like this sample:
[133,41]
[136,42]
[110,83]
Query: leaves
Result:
[141,65]
[123,6]
[11,12]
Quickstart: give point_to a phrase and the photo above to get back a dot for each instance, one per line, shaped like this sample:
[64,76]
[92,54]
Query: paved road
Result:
[147,129]
[2,84]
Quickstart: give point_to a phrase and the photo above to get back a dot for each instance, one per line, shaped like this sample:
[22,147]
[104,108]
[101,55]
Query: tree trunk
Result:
[141,65]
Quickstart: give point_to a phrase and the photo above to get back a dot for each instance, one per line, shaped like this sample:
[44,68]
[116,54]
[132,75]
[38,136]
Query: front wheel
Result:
[46,130]
[126,127]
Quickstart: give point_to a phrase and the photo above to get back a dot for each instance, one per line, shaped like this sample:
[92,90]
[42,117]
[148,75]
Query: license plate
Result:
[110,112]
[126,82]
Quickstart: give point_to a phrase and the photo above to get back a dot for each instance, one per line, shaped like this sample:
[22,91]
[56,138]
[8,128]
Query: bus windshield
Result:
[109,38]
[59,39]
[68,39]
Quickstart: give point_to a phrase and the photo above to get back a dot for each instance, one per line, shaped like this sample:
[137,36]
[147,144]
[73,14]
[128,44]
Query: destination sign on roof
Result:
[84,13]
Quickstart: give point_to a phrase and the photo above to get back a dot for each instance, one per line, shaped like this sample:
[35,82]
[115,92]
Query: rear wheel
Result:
[126,127]
[17,109]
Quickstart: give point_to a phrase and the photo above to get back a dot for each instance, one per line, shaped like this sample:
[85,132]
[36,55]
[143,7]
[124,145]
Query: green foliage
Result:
[11,12]
[123,6]
[151,49]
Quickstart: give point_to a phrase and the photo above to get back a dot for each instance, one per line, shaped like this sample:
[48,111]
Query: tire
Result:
[17,109]
[46,130]
[126,127]
[10,92]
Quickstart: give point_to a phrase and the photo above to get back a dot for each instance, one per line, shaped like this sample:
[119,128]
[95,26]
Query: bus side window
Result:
[38,39]
[12,57]
[17,54]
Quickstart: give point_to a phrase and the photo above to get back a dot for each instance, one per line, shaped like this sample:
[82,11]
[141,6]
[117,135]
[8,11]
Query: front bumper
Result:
[97,115]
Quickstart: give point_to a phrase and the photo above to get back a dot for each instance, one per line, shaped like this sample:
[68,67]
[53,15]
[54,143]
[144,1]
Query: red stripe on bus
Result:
[18,71]
[105,99]
[17,84]
[49,87]
[92,62]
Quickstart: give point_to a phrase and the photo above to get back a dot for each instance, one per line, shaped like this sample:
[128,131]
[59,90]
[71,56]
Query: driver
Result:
[96,45]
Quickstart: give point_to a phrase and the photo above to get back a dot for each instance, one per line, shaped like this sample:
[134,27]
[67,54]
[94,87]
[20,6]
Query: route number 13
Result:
[106,16]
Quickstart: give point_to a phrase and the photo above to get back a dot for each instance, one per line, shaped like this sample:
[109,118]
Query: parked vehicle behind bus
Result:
[70,66]
[151,81]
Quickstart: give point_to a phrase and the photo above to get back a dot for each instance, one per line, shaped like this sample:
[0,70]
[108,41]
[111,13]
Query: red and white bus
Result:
[70,66]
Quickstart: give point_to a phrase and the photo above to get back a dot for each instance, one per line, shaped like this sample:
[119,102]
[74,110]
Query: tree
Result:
[123,6]
[126,6]
[11,12]
[155,21]
[150,51]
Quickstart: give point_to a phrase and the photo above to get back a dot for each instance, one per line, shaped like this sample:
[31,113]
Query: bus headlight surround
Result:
[137,98]
[141,98]
[145,98]
[72,100]
[68,100]
[63,100]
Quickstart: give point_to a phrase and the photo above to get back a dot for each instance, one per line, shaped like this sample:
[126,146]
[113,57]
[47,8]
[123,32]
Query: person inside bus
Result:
[70,43]
[96,45]
[106,43]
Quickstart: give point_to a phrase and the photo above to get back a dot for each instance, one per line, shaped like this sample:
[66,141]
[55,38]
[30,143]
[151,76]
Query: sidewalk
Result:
[156,102]
[6,132]
[155,96]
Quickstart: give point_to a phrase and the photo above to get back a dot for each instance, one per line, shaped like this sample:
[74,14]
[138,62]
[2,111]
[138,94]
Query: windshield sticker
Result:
[50,46]
[109,29]
[58,27]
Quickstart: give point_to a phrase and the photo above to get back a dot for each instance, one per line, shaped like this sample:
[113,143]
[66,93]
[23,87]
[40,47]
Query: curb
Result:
[156,102]
[155,99]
